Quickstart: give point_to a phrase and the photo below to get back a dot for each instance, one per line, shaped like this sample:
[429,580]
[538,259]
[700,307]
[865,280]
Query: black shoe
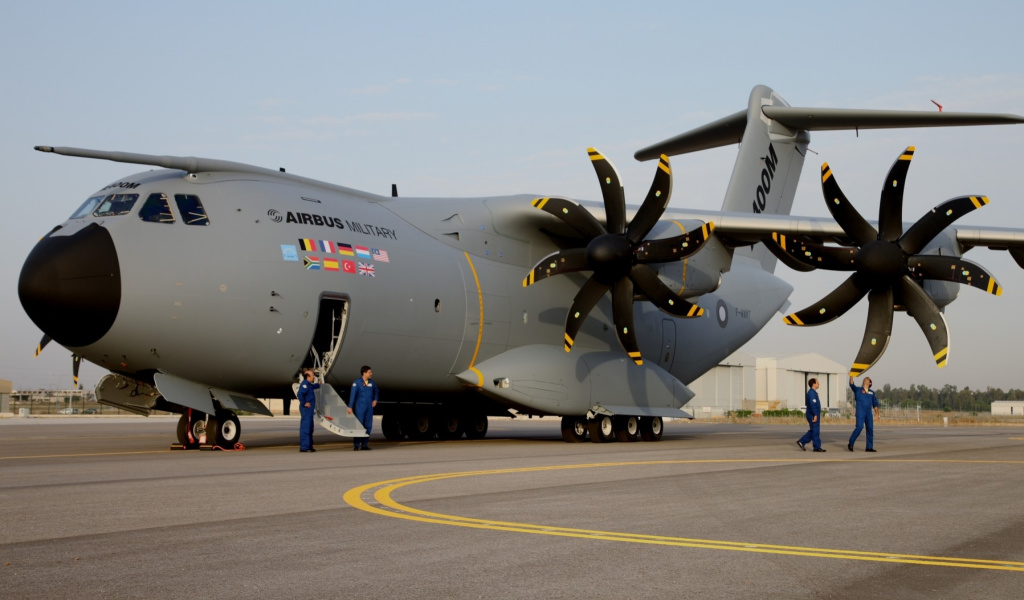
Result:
[819,450]
[312,449]
[849,447]
[871,450]
[303,450]
[801,444]
[367,448]
[356,449]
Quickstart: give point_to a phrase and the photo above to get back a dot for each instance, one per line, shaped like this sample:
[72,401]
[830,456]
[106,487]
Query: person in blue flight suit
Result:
[866,402]
[361,402]
[307,404]
[813,418]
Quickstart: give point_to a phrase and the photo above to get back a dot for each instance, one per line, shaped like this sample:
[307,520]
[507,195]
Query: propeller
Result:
[42,344]
[886,265]
[618,255]
[76,360]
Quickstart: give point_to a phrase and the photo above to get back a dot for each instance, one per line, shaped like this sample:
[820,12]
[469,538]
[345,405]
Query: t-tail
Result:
[773,139]
[767,169]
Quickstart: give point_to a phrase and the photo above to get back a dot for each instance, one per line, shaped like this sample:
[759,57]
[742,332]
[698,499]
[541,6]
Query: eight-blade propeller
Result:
[886,265]
[618,255]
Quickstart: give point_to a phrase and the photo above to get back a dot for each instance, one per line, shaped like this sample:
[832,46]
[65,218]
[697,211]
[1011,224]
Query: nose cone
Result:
[70,286]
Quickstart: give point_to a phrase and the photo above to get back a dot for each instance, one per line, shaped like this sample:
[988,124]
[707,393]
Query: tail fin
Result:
[767,168]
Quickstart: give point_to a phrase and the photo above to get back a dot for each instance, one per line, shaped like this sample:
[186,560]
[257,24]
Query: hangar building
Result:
[770,382]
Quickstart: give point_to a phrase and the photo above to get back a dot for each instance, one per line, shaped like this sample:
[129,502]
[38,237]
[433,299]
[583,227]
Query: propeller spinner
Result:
[618,255]
[886,265]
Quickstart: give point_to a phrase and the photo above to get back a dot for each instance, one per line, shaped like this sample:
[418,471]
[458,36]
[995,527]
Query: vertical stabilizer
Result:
[767,168]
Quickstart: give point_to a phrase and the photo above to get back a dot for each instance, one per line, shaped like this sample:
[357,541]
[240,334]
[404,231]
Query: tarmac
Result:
[100,507]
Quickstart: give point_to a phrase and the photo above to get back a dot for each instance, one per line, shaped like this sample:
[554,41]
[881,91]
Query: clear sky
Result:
[492,98]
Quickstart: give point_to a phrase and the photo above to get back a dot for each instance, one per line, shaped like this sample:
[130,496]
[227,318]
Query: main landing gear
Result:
[604,428]
[430,425]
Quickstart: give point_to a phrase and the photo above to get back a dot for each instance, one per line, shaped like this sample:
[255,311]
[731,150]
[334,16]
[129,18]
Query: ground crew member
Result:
[866,402]
[813,417]
[307,404]
[361,402]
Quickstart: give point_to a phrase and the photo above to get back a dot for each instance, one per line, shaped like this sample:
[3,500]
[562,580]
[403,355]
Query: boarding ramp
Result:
[332,412]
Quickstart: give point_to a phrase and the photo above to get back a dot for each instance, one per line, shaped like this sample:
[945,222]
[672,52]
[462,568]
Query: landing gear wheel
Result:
[418,427]
[391,426]
[650,429]
[601,429]
[224,430]
[197,425]
[574,429]
[476,426]
[449,426]
[627,429]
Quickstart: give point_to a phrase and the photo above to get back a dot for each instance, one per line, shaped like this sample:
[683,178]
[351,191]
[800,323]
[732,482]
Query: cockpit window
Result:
[87,207]
[156,209]
[115,204]
[191,209]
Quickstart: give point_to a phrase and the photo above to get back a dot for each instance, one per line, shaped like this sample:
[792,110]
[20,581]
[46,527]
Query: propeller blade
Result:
[859,230]
[76,362]
[786,258]
[661,295]
[877,331]
[654,205]
[674,248]
[929,318]
[572,214]
[830,307]
[611,191]
[929,226]
[42,343]
[556,263]
[955,269]
[818,256]
[588,296]
[622,315]
[890,208]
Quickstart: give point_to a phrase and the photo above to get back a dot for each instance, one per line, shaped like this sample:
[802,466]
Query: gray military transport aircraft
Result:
[206,284]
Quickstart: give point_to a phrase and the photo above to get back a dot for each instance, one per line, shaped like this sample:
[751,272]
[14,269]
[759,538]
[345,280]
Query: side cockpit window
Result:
[87,207]
[191,209]
[115,204]
[156,209]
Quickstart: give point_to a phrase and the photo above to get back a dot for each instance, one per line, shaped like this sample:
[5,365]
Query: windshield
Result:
[87,207]
[115,204]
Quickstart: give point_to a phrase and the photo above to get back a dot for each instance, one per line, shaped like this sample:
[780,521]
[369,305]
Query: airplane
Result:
[205,285]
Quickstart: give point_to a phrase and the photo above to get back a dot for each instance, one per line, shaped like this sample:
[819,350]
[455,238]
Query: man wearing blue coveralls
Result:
[307,404]
[813,417]
[361,402]
[866,401]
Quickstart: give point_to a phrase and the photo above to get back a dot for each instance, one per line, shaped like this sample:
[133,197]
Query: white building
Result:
[774,382]
[1008,408]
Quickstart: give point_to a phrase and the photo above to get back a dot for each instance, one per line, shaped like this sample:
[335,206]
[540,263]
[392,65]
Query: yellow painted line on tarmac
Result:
[383,504]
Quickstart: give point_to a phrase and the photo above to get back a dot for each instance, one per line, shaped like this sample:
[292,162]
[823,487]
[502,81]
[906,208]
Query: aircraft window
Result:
[156,209]
[192,210]
[87,207]
[115,204]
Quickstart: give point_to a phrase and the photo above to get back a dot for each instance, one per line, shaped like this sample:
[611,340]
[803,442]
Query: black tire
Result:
[627,428]
[651,429]
[574,429]
[476,426]
[601,429]
[417,427]
[449,426]
[391,426]
[198,426]
[225,430]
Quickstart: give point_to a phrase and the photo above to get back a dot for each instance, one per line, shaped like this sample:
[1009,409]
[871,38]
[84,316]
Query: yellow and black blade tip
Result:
[42,344]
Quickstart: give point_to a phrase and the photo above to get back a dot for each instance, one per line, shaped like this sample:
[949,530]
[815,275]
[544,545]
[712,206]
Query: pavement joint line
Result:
[384,504]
